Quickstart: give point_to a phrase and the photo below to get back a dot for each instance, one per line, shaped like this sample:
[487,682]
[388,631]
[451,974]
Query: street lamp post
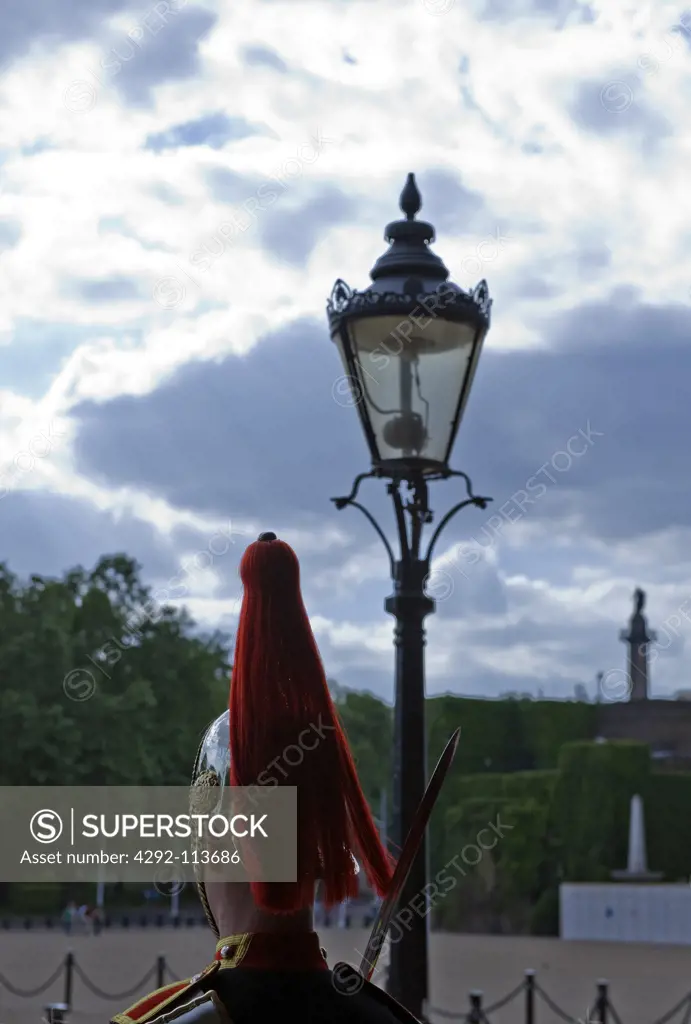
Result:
[410,345]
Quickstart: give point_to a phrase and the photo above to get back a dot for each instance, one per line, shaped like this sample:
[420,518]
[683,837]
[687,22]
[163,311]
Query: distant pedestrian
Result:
[68,916]
[97,920]
[344,914]
[83,918]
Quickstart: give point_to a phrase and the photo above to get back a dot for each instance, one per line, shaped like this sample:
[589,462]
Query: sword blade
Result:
[407,857]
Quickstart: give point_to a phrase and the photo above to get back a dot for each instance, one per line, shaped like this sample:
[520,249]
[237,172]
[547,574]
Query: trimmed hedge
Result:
[555,723]
[35,898]
[591,806]
[571,824]
[494,848]
[667,811]
[507,735]
[515,785]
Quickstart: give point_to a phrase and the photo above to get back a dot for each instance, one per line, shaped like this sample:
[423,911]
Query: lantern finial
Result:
[411,200]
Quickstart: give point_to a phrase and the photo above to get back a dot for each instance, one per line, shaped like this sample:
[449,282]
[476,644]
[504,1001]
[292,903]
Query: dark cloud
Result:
[579,650]
[446,202]
[466,673]
[229,187]
[618,367]
[51,533]
[462,591]
[617,107]
[39,350]
[162,44]
[294,213]
[158,50]
[213,130]
[27,21]
[263,431]
[107,289]
[241,437]
[291,214]
[262,56]
[533,287]
[682,27]
[591,259]
[563,12]
[291,235]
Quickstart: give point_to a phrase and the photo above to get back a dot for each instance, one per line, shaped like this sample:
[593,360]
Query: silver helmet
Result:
[212,764]
[211,774]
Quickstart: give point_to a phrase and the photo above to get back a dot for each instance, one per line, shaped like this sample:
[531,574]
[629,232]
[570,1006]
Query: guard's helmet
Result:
[279,694]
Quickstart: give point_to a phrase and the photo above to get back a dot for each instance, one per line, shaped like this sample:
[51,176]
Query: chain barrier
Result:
[113,995]
[126,922]
[478,1013]
[675,1010]
[29,993]
[615,1016]
[547,999]
[507,999]
[599,1013]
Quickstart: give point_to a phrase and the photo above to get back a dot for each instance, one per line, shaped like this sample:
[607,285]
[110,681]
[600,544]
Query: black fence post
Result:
[602,1000]
[476,1015]
[530,997]
[160,970]
[69,974]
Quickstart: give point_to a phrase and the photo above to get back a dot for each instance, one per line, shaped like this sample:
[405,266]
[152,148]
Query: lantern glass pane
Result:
[412,378]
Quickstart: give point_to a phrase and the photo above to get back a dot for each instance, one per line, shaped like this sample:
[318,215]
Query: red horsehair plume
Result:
[278,690]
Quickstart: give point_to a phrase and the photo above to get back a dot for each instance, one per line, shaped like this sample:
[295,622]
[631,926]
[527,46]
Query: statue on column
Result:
[638,638]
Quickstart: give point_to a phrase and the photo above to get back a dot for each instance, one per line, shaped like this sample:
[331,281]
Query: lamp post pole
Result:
[410,606]
[395,363]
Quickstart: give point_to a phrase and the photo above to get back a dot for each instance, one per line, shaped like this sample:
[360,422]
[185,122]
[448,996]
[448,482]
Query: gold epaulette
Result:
[162,999]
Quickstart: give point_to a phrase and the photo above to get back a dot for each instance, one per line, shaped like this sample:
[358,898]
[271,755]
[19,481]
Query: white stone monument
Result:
[637,866]
[634,907]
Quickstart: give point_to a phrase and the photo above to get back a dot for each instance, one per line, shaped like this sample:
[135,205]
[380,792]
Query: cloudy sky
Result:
[168,387]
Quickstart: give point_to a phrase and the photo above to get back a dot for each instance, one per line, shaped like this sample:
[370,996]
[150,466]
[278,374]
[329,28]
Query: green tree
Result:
[100,686]
[368,723]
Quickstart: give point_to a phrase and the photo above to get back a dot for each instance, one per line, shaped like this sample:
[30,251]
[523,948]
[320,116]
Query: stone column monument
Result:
[637,867]
[638,637]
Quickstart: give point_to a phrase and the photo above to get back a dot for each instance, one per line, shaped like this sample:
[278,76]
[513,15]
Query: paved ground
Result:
[645,981]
